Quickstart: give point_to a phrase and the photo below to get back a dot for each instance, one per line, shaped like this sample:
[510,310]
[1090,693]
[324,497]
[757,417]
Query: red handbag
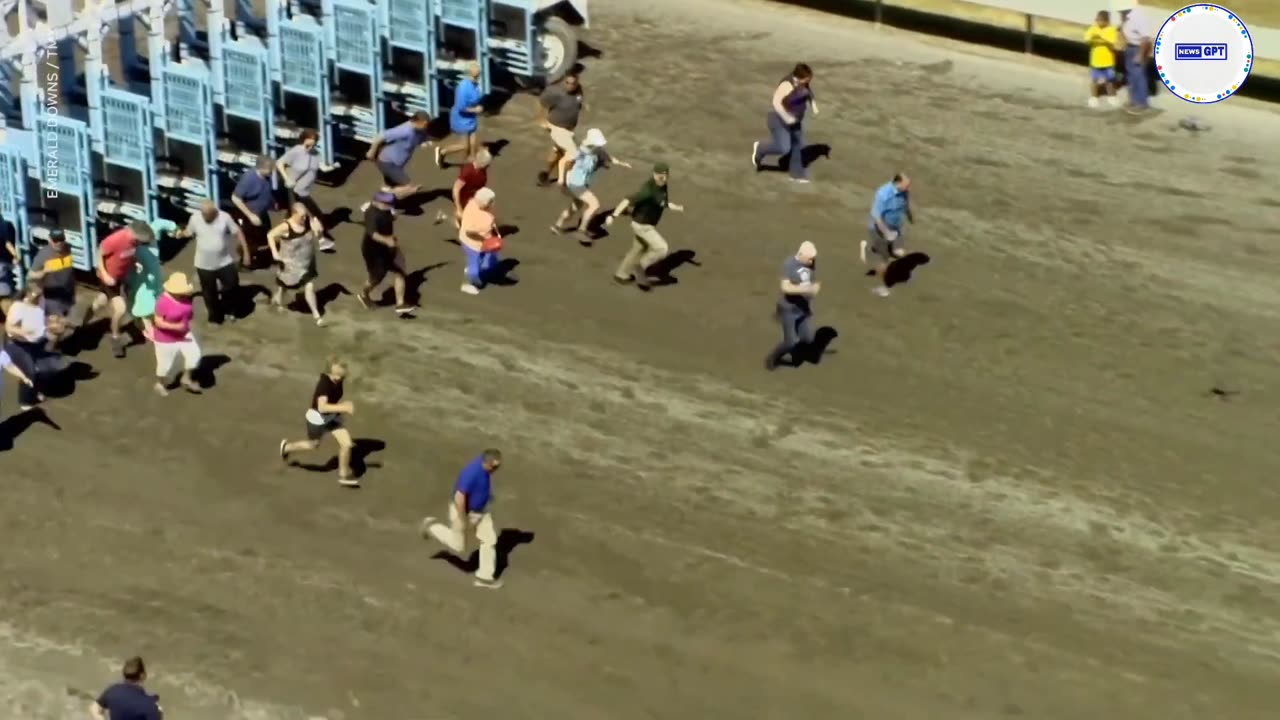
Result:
[493,243]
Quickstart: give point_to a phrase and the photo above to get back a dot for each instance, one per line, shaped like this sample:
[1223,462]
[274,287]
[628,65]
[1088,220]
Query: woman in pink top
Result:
[172,335]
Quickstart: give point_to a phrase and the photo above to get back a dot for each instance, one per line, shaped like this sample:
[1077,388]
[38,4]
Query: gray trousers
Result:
[797,332]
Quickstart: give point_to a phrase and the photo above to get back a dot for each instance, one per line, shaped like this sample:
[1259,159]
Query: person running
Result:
[469,511]
[128,699]
[9,367]
[176,347]
[8,258]
[473,176]
[117,254]
[559,109]
[590,157]
[325,417]
[795,309]
[464,118]
[54,269]
[299,169]
[144,280]
[480,241]
[382,253]
[216,238]
[26,342]
[785,120]
[293,244]
[646,208]
[253,198]
[393,150]
[890,211]
[1103,39]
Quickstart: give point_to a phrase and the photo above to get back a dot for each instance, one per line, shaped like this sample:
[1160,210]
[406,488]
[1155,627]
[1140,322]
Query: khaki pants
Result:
[454,537]
[648,248]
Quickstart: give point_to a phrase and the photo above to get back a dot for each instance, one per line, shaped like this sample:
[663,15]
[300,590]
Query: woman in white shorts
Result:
[176,347]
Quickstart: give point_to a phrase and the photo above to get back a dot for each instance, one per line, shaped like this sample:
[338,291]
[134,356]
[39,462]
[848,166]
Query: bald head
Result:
[209,211]
[807,253]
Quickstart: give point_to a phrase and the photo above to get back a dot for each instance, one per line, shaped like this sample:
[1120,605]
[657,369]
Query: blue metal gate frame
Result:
[471,16]
[13,202]
[303,71]
[410,26]
[356,47]
[129,140]
[188,117]
[65,165]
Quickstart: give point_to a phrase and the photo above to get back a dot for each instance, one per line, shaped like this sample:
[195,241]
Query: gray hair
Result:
[142,232]
[265,163]
[485,197]
[483,158]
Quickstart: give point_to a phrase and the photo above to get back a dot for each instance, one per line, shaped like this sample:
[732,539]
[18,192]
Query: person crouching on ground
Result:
[172,336]
[325,417]
[576,182]
[480,241]
[294,244]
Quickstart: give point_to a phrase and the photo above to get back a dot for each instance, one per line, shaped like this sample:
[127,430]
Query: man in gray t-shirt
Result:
[795,309]
[299,168]
[217,239]
[559,108]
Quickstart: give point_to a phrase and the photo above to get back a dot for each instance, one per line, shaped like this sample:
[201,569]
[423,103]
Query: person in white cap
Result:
[478,235]
[172,335]
[795,306]
[591,156]
[1139,33]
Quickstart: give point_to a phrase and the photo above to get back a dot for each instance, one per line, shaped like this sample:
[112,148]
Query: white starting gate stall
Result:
[354,49]
[409,84]
[304,84]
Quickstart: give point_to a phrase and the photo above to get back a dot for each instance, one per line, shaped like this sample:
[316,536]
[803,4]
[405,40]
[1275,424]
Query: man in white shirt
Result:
[1139,32]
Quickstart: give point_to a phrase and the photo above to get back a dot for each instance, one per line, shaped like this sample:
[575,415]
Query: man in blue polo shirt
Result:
[128,700]
[469,510]
[253,198]
[393,150]
[890,212]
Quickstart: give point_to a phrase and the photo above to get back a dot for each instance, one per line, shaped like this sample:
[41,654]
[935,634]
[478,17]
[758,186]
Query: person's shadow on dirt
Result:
[508,540]
[12,427]
[900,270]
[364,447]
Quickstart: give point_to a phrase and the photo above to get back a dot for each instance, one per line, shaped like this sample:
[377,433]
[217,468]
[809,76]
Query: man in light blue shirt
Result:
[393,150]
[464,117]
[469,510]
[890,212]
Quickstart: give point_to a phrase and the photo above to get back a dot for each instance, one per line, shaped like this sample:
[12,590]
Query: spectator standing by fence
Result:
[1103,39]
[128,700]
[1139,32]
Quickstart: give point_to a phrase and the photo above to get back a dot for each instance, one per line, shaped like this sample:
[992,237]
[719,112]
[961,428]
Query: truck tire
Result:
[557,48]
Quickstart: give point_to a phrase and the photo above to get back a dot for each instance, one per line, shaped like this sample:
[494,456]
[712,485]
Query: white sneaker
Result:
[327,245]
[470,289]
[1113,101]
[424,529]
[1093,102]
[365,207]
[755,155]
[439,158]
[862,251]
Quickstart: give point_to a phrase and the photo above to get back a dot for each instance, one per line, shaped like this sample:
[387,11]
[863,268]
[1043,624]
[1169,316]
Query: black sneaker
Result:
[544,179]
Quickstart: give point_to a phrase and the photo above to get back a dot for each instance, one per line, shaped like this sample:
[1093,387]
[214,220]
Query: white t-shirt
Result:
[31,319]
[1138,27]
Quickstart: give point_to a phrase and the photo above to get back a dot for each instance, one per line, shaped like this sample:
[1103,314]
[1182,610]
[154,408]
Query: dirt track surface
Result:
[1007,492]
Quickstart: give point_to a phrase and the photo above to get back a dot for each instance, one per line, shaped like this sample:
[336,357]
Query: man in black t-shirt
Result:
[324,417]
[382,253]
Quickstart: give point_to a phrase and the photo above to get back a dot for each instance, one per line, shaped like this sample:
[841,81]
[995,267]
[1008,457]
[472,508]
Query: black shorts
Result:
[316,432]
[393,175]
[58,305]
[380,260]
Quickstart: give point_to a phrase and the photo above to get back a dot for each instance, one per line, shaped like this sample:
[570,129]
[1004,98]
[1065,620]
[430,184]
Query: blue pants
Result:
[1135,76]
[784,140]
[480,265]
[31,359]
[797,332]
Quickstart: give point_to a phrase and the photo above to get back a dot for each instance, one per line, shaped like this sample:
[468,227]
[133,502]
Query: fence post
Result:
[1030,35]
[879,12]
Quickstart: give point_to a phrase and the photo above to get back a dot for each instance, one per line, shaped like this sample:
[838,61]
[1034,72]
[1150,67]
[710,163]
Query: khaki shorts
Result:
[563,139]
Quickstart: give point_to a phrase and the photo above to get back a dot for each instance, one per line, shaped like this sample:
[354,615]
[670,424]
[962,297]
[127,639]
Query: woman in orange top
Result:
[480,241]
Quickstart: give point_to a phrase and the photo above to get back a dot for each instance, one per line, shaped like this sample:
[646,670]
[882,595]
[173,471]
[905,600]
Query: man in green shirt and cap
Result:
[646,207]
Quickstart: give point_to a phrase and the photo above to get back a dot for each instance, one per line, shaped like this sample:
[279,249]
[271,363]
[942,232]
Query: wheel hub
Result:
[552,49]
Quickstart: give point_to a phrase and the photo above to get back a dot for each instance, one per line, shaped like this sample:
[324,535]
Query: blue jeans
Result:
[480,265]
[1135,76]
[785,140]
[797,332]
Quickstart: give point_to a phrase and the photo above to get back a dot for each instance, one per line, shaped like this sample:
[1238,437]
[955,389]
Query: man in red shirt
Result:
[116,257]
[473,176]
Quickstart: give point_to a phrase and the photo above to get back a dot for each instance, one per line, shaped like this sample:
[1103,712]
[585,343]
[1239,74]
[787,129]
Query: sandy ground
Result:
[1007,491]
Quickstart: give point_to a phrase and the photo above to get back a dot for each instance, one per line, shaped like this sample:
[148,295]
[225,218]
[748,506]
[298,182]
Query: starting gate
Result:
[411,41]
[463,39]
[66,183]
[514,46]
[304,83]
[356,52]
[189,134]
[13,202]
[247,122]
[128,154]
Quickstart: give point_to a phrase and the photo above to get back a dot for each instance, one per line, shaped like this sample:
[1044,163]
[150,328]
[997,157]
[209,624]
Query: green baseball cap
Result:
[661,168]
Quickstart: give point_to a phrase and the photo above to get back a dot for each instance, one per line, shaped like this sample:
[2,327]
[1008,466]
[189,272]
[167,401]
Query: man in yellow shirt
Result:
[1102,38]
